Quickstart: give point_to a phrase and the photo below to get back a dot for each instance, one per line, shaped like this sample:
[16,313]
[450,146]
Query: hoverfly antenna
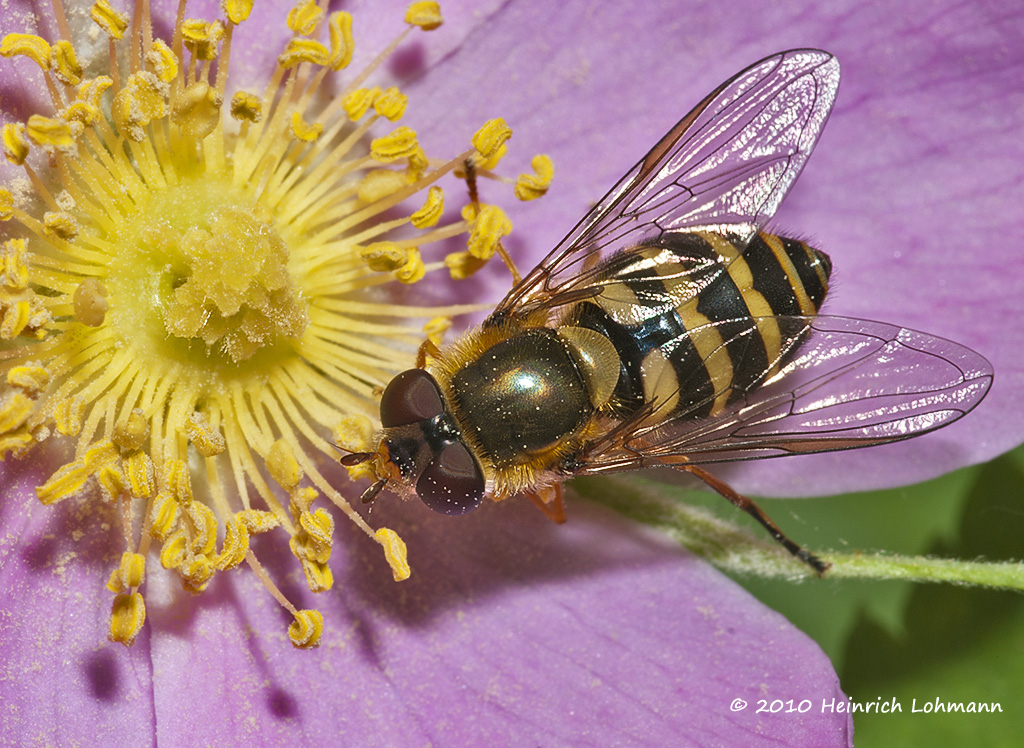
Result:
[354,458]
[371,493]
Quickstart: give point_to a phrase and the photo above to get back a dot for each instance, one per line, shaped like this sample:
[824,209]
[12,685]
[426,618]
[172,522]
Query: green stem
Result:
[733,548]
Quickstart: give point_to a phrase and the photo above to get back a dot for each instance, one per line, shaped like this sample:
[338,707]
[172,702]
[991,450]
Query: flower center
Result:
[202,276]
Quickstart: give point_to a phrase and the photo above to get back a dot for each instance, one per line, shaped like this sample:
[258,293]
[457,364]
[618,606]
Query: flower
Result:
[516,627]
[189,303]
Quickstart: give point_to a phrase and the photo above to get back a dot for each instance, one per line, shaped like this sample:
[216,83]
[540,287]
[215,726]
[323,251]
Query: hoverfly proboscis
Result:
[668,328]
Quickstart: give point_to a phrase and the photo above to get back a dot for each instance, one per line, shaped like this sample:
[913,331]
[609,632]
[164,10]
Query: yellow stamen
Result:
[29,379]
[342,45]
[391,104]
[304,131]
[413,270]
[492,136]
[307,628]
[436,328]
[384,257]
[237,10]
[426,15]
[319,526]
[141,475]
[82,113]
[418,164]
[49,133]
[532,186]
[108,19]
[15,143]
[127,616]
[236,544]
[489,226]
[395,552]
[354,433]
[358,102]
[204,527]
[71,478]
[90,302]
[202,38]
[303,50]
[197,109]
[207,440]
[27,45]
[162,519]
[245,106]
[130,433]
[65,63]
[462,265]
[257,522]
[303,19]
[129,573]
[401,143]
[431,211]
[380,183]
[489,164]
[178,481]
[163,60]
[15,409]
[283,466]
[68,414]
[17,443]
[60,224]
[137,104]
[15,273]
[91,91]
[175,545]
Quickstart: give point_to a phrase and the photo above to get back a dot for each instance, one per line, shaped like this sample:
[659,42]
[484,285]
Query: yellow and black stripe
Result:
[693,316]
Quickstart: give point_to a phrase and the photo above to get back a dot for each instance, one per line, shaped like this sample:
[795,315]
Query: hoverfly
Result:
[668,328]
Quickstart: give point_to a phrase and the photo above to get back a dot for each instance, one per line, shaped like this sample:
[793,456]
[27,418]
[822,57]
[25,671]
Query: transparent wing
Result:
[850,384]
[726,166]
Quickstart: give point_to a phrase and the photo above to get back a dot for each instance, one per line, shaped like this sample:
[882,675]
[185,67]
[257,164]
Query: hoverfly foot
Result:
[742,502]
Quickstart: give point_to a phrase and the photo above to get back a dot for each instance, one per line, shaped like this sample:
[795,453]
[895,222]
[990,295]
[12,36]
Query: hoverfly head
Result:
[423,449]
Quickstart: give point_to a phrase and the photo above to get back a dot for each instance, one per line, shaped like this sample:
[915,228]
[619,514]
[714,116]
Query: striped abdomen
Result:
[692,336]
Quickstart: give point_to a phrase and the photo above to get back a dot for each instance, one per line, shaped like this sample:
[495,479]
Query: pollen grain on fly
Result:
[184,283]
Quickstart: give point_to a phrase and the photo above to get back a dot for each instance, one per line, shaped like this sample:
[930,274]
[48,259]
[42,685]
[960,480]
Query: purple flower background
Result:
[513,630]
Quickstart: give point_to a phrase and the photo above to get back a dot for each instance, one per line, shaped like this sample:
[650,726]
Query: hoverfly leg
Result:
[507,259]
[549,500]
[469,167]
[427,348]
[747,505]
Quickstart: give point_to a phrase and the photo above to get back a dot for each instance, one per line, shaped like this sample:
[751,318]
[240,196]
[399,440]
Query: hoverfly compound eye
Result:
[411,397]
[453,483]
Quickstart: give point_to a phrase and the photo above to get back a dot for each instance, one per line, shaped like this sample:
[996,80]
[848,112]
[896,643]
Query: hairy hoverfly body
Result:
[668,328]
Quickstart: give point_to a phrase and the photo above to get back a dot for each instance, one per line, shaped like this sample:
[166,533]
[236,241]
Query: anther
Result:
[113,22]
[304,18]
[426,15]
[342,45]
[31,46]
[395,552]
[532,186]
